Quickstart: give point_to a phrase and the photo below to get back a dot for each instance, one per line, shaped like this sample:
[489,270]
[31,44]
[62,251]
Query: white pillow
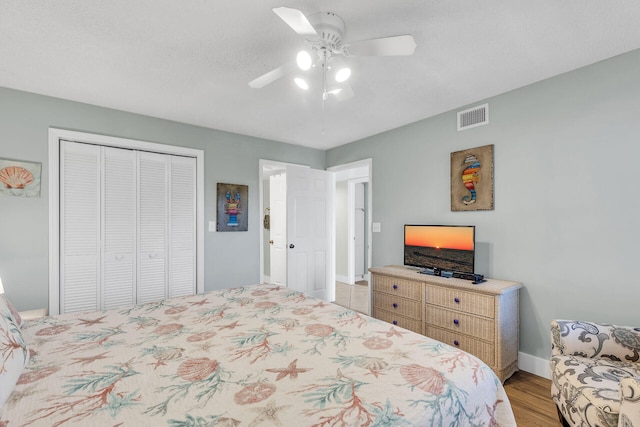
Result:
[14,356]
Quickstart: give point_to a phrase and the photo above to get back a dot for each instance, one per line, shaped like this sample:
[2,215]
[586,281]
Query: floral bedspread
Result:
[253,356]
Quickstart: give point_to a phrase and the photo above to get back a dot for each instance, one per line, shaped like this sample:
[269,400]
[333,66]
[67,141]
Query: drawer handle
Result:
[395,305]
[456,343]
[456,321]
[395,322]
[457,300]
[395,286]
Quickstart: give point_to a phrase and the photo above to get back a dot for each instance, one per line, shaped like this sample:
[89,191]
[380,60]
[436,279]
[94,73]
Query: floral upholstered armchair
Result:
[595,373]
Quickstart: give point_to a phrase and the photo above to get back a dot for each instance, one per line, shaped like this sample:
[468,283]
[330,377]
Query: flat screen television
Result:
[448,248]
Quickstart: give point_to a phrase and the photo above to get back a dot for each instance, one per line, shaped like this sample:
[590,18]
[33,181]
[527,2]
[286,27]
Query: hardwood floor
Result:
[531,400]
[529,394]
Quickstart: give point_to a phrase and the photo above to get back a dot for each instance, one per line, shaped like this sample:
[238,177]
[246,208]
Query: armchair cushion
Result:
[589,363]
[630,402]
[595,340]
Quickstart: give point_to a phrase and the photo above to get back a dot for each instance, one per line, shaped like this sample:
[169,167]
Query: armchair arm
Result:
[630,402]
[595,340]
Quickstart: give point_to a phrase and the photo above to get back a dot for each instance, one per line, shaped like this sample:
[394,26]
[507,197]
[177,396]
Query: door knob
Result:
[271,242]
[291,246]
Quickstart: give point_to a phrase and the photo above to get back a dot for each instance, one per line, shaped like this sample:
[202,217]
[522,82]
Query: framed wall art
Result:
[20,178]
[232,207]
[472,179]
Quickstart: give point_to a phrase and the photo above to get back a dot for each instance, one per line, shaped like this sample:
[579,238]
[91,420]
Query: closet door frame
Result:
[55,135]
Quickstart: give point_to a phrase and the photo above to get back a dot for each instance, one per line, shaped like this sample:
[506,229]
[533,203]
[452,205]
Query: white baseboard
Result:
[267,279]
[535,365]
[343,279]
[34,314]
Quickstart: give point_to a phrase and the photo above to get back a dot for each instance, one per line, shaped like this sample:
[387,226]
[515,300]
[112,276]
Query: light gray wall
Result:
[231,258]
[565,224]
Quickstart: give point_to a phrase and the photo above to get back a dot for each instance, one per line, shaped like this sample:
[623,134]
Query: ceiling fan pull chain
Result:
[324,86]
[323,116]
[324,75]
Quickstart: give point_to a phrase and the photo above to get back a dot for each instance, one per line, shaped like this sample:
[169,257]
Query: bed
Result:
[258,355]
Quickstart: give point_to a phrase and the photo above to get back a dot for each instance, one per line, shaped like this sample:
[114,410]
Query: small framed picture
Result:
[20,178]
[232,207]
[472,179]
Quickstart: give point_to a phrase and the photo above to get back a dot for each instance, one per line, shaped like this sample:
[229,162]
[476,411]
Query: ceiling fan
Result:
[324,36]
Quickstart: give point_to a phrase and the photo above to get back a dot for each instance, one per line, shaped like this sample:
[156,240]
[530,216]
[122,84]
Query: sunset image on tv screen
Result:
[440,237]
[448,248]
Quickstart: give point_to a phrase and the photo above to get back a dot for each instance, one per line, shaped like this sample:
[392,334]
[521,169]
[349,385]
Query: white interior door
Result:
[308,236]
[119,185]
[278,229]
[100,225]
[79,227]
[152,226]
[182,227]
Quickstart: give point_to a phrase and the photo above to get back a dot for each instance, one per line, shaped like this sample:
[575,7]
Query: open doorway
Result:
[268,170]
[353,234]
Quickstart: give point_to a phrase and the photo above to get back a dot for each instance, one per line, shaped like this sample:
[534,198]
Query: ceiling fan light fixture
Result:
[302,84]
[303,59]
[343,74]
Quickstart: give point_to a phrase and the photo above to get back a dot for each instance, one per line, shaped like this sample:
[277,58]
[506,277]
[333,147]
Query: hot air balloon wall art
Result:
[472,179]
[19,178]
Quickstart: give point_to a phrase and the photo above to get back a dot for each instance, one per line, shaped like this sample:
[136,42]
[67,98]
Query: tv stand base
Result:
[474,277]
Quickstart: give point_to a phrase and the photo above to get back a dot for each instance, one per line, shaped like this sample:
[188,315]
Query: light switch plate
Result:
[376,227]
[212,226]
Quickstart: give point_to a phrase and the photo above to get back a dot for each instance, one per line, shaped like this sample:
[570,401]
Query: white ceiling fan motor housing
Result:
[330,28]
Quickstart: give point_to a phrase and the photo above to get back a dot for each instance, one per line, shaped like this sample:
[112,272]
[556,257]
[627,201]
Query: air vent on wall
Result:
[473,117]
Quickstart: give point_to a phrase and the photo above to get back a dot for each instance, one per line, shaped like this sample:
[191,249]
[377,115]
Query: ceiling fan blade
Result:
[296,20]
[385,46]
[272,75]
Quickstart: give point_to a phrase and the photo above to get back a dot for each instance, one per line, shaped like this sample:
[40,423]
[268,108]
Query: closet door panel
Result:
[128,226]
[182,227]
[79,227]
[152,226]
[119,183]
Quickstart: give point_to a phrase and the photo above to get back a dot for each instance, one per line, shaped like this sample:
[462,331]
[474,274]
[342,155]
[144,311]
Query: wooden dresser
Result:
[481,319]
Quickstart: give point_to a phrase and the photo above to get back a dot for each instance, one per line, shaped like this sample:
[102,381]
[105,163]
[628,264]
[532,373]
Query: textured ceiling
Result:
[191,61]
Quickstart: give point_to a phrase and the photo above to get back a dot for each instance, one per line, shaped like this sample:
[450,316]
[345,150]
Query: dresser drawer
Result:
[404,288]
[395,304]
[480,349]
[457,322]
[455,299]
[395,319]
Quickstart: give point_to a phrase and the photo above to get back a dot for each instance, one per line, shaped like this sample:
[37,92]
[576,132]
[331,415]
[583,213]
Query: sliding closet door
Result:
[79,227]
[118,227]
[182,226]
[152,226]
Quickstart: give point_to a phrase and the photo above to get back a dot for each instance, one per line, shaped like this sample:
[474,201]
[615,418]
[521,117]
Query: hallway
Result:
[355,297]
